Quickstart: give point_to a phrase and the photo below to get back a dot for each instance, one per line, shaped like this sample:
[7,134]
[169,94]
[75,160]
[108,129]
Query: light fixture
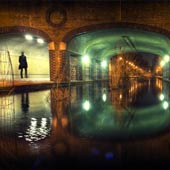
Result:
[85,59]
[166,58]
[162,63]
[40,40]
[28,37]
[104,64]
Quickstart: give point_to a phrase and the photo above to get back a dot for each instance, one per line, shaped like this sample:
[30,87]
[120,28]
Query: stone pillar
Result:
[59,63]
[63,64]
[52,58]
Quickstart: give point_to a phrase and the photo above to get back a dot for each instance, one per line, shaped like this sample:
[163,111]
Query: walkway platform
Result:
[26,84]
[35,84]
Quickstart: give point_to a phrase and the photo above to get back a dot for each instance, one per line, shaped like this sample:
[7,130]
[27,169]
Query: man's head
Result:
[22,53]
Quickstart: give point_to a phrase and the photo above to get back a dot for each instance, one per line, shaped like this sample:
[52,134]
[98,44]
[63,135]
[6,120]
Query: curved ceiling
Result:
[106,43]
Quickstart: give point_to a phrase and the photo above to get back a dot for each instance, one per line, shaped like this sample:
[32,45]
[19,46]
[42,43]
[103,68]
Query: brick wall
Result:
[69,16]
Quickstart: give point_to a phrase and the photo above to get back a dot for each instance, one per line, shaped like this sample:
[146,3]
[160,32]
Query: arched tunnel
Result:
[92,51]
[92,121]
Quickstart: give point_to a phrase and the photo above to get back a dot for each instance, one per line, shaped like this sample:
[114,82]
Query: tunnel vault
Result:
[98,41]
[94,27]
[152,31]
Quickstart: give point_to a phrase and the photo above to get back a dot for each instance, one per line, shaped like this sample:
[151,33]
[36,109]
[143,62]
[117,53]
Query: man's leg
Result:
[21,72]
[26,76]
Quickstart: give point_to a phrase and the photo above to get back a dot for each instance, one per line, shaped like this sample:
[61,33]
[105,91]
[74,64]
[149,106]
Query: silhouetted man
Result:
[23,64]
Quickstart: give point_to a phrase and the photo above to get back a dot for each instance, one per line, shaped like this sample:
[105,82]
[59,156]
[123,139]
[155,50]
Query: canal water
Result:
[86,126]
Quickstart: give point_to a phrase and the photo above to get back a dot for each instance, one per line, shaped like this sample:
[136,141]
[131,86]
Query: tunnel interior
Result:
[104,44]
[34,47]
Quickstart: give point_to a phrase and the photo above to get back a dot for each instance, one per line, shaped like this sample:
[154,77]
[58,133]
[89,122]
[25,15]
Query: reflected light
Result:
[36,131]
[86,105]
[104,97]
[28,37]
[161,97]
[43,122]
[64,121]
[165,105]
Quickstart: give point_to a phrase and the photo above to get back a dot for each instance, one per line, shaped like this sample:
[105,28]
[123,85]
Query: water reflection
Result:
[25,102]
[132,112]
[90,120]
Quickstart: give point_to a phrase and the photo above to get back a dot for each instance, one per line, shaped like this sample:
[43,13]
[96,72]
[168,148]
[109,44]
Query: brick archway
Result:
[89,28]
[44,35]
[23,29]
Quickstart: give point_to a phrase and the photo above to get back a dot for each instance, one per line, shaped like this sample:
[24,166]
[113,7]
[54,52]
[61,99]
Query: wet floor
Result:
[86,126]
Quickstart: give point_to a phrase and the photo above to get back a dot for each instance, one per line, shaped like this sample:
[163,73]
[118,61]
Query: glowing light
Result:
[85,59]
[162,63]
[28,37]
[166,58]
[165,105]
[161,97]
[104,97]
[40,40]
[104,64]
[86,105]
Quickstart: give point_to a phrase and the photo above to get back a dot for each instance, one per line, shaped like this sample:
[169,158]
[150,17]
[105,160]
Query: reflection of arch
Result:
[103,26]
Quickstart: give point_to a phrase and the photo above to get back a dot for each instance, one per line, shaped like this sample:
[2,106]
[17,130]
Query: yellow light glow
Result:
[162,63]
[166,58]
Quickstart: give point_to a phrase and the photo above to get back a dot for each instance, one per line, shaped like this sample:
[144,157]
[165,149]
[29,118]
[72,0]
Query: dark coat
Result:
[22,62]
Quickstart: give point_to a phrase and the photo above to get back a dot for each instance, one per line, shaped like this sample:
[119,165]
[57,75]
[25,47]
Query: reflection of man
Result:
[23,64]
[25,102]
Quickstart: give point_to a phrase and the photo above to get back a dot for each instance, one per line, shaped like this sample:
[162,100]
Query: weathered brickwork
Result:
[54,21]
